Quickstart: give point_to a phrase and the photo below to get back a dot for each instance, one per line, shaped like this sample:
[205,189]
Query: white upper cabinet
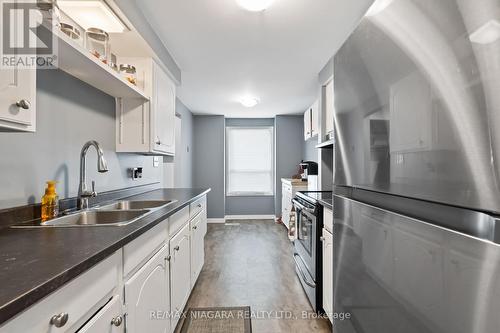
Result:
[163,112]
[147,127]
[311,121]
[314,119]
[329,107]
[18,99]
[307,124]
[17,90]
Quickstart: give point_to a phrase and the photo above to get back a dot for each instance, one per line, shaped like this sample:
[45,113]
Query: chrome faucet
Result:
[83,193]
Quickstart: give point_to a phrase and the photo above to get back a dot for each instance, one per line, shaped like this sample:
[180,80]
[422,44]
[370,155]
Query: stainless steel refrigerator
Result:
[417,169]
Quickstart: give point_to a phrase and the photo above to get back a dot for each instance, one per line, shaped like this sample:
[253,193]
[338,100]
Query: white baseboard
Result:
[216,220]
[250,217]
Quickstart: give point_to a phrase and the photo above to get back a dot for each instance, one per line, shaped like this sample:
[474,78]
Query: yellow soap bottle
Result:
[50,202]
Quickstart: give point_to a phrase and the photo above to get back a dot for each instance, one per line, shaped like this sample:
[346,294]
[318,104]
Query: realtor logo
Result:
[27,40]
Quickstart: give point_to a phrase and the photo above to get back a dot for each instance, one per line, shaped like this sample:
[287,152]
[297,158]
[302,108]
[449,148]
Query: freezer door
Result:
[417,103]
[397,274]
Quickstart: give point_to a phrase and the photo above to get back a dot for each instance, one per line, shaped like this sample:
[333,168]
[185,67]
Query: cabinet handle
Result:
[177,248]
[167,258]
[322,238]
[199,205]
[195,227]
[24,104]
[59,320]
[117,321]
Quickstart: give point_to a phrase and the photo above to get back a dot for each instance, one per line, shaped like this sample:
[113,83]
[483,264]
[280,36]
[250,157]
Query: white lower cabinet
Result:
[108,320]
[147,296]
[72,305]
[198,230]
[180,272]
[327,245]
[141,288]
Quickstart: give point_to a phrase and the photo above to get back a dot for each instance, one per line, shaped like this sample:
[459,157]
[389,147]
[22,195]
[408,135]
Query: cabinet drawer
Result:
[109,319]
[143,247]
[79,299]
[177,221]
[197,206]
[328,219]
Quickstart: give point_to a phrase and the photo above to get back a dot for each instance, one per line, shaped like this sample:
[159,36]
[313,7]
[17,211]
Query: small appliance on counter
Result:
[307,251]
[309,173]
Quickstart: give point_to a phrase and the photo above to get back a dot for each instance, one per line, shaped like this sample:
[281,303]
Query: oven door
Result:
[305,244]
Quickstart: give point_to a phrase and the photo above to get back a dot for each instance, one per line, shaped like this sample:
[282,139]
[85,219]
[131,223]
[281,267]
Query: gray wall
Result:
[208,161]
[183,161]
[289,132]
[250,205]
[69,113]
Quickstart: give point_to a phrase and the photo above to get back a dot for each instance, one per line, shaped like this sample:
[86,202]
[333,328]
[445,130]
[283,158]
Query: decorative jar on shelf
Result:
[129,73]
[97,42]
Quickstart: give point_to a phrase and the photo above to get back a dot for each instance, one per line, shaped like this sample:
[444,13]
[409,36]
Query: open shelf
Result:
[326,145]
[75,60]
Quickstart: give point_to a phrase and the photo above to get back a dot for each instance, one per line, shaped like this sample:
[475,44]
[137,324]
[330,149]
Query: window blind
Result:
[250,163]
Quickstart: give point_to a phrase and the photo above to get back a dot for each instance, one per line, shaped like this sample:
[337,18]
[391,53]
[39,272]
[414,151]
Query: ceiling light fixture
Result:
[255,5]
[249,102]
[93,14]
[378,6]
[487,33]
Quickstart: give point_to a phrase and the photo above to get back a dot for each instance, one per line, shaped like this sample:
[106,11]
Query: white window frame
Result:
[273,166]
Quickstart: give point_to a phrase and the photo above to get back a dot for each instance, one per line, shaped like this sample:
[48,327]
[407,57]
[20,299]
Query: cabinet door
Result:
[307,124]
[314,119]
[147,296]
[180,271]
[329,107]
[197,247]
[108,320]
[163,112]
[327,246]
[17,84]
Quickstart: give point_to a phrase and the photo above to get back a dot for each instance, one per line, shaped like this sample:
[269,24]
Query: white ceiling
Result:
[225,52]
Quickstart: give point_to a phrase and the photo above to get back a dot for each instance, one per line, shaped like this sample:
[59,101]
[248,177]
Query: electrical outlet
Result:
[156,161]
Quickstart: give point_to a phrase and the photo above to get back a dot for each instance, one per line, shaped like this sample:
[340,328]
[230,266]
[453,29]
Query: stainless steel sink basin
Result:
[97,218]
[114,214]
[130,204]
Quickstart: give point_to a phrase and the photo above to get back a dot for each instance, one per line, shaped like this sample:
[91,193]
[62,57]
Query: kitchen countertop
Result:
[294,182]
[328,203]
[37,261]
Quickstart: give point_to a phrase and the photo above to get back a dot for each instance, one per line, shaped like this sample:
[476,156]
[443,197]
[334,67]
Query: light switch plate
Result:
[156,161]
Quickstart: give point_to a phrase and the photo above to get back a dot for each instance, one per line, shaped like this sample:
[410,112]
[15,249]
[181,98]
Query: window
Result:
[249,156]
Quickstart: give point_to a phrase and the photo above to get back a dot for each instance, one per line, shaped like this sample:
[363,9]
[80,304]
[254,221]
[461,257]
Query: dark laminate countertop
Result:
[328,203]
[37,261]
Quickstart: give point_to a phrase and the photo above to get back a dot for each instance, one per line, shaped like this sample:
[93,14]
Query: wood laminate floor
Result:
[251,264]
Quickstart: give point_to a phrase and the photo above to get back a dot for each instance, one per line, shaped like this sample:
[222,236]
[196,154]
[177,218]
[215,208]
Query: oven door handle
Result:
[299,268]
[301,206]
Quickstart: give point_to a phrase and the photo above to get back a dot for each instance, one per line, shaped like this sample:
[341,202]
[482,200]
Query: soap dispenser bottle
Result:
[50,202]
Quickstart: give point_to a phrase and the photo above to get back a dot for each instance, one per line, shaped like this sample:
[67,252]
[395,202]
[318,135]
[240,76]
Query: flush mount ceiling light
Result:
[378,6]
[487,33]
[255,5]
[93,14]
[249,102]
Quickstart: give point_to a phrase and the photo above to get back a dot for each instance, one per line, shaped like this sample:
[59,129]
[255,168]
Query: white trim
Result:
[250,217]
[216,220]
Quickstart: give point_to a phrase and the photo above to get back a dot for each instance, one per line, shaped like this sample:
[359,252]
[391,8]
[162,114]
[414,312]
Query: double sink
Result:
[114,214]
